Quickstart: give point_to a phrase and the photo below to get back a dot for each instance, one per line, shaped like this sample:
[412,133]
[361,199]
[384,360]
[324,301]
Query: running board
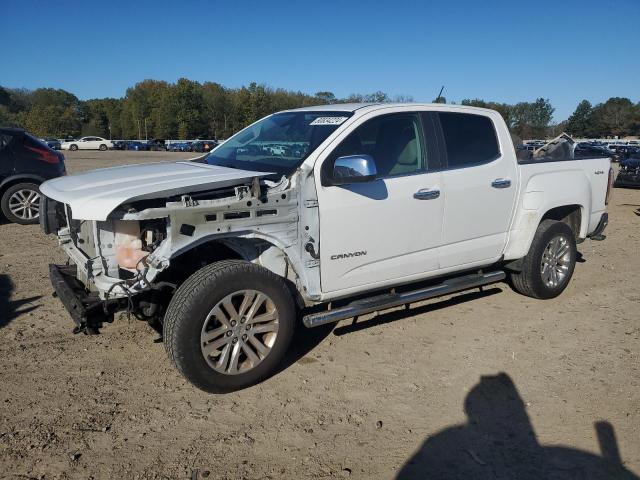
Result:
[390,300]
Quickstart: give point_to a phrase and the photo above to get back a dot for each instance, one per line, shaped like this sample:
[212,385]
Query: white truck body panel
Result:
[367,235]
[471,225]
[94,195]
[548,185]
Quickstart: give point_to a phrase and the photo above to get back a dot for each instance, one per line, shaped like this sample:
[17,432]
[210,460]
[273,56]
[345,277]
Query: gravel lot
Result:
[477,385]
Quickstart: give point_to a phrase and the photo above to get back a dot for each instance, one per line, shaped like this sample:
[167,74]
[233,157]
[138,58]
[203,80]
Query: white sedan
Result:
[87,143]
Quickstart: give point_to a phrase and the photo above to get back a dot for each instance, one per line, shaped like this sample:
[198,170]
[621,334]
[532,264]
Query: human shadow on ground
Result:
[9,309]
[498,441]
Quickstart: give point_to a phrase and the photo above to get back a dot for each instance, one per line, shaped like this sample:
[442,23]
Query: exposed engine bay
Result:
[137,257]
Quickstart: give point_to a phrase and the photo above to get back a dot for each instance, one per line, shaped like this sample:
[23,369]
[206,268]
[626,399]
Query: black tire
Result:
[7,199]
[194,300]
[73,147]
[103,147]
[529,281]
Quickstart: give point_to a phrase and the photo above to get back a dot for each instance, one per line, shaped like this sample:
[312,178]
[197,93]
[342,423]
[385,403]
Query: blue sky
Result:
[505,51]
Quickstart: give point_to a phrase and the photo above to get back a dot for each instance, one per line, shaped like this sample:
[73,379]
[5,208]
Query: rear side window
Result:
[31,141]
[469,139]
[5,139]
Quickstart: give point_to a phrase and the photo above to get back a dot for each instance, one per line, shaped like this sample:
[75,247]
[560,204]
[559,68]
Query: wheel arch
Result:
[20,178]
[260,251]
[572,215]
[521,236]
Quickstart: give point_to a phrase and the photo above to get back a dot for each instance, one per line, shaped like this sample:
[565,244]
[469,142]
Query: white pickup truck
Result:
[313,216]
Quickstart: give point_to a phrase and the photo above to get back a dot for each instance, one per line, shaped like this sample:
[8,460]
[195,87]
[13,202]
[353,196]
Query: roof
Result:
[10,130]
[352,107]
[334,107]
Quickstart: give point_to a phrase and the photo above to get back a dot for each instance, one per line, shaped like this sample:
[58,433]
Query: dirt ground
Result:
[479,385]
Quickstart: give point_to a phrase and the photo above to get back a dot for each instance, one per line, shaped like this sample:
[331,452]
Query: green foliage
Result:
[530,120]
[579,123]
[188,109]
[524,119]
[615,117]
[5,97]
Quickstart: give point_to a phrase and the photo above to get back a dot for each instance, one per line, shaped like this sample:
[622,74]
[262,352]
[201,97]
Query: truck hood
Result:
[94,195]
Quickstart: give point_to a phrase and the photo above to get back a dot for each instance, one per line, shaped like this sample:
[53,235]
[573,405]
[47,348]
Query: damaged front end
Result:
[135,258]
[107,268]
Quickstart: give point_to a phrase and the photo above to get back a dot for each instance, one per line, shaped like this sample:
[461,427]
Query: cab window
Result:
[469,139]
[394,141]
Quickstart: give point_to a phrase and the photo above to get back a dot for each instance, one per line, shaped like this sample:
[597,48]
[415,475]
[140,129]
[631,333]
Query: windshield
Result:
[278,143]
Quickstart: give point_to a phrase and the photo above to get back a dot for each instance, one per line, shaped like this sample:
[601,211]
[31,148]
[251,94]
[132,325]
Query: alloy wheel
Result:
[556,259]
[25,204]
[239,332]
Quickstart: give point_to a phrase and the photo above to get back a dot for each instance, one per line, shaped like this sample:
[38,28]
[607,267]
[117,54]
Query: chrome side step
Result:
[390,300]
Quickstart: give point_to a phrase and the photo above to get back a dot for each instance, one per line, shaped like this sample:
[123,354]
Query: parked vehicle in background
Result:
[88,143]
[137,146]
[25,162]
[180,147]
[119,145]
[203,145]
[625,151]
[586,150]
[629,173]
[52,143]
[156,145]
[229,251]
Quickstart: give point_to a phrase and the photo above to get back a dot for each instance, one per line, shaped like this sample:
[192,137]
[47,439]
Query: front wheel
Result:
[549,265]
[73,147]
[229,326]
[103,147]
[21,203]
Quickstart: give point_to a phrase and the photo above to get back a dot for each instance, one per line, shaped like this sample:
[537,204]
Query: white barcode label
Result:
[328,120]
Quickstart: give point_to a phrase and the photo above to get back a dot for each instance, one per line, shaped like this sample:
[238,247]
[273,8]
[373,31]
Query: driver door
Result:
[388,229]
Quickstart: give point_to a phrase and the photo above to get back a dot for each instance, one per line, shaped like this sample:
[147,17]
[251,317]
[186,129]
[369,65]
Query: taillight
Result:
[609,185]
[45,155]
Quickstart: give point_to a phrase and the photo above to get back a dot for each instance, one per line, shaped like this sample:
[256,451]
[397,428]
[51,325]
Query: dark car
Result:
[180,147]
[119,145]
[585,150]
[629,174]
[25,162]
[53,143]
[626,151]
[203,145]
[137,146]
[156,145]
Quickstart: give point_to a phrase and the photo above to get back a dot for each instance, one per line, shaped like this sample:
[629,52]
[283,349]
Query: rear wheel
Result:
[21,203]
[229,326]
[549,265]
[103,147]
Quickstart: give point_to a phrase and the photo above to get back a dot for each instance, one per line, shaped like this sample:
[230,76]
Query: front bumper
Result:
[87,310]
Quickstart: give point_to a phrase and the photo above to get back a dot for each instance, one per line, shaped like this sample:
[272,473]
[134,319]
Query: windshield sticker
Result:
[328,120]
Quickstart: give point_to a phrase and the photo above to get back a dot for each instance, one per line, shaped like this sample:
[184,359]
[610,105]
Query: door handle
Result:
[425,194]
[501,183]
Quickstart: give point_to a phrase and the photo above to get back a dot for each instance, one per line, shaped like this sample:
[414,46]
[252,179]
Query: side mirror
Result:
[354,169]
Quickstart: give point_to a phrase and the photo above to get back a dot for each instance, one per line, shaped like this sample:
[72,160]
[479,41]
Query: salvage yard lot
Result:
[377,399]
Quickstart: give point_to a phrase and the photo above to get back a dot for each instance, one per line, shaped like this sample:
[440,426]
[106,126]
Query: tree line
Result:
[158,109]
[189,109]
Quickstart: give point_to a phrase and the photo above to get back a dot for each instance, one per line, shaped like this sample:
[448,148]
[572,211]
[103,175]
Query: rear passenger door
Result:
[479,187]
